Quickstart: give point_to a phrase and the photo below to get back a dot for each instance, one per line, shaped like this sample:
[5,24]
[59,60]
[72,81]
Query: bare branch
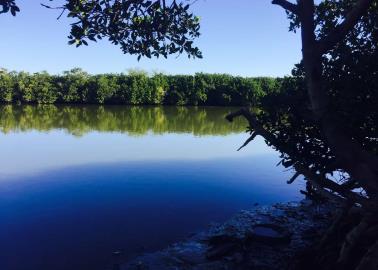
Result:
[253,123]
[253,136]
[342,29]
[292,179]
[286,5]
[322,184]
[61,13]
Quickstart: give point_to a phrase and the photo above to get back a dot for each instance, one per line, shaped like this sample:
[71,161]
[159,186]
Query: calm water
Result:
[77,183]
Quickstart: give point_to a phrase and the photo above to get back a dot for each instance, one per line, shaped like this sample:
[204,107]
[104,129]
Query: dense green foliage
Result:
[134,88]
[142,27]
[145,28]
[134,120]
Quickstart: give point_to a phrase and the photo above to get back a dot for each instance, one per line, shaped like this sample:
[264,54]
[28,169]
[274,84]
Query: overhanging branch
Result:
[292,179]
[251,138]
[257,127]
[286,5]
[321,183]
[340,31]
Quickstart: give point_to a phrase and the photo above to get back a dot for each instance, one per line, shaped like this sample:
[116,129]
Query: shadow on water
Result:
[74,218]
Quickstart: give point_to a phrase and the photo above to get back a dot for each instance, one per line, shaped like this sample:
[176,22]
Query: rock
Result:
[310,233]
[269,234]
[238,258]
[221,239]
[265,237]
[222,245]
[221,251]
[190,253]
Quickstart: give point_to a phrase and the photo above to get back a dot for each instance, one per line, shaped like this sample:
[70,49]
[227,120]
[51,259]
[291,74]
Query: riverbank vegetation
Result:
[135,88]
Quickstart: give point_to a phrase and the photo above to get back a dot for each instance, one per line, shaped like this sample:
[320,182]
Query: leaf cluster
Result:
[140,27]
[9,6]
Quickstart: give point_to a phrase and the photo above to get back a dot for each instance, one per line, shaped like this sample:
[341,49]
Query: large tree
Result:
[319,38]
[339,45]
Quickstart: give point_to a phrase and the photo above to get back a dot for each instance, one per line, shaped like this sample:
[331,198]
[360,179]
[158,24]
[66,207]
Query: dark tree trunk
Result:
[351,157]
[349,154]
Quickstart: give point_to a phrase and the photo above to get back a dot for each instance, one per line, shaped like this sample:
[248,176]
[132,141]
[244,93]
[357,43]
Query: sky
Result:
[239,37]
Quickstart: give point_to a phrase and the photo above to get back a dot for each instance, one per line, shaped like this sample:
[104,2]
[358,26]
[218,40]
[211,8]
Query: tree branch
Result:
[286,5]
[292,179]
[342,29]
[251,138]
[257,127]
[321,183]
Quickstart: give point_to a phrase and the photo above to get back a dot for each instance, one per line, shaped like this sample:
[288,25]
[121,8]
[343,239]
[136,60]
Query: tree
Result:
[139,89]
[159,86]
[339,45]
[23,87]
[43,90]
[73,86]
[6,86]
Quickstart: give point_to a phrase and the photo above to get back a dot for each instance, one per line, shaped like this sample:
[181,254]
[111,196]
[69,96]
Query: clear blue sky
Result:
[241,37]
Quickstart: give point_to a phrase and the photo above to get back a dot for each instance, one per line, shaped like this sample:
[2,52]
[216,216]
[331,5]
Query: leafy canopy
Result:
[140,27]
[9,6]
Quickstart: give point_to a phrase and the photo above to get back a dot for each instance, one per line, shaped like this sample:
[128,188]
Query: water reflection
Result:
[77,183]
[38,138]
[133,120]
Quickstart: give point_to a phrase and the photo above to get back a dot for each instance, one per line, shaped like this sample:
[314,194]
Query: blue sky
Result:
[240,37]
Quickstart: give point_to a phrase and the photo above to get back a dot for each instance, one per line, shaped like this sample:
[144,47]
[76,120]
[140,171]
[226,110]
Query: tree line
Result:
[135,88]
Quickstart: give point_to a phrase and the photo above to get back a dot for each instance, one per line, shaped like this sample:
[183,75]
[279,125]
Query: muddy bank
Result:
[265,237]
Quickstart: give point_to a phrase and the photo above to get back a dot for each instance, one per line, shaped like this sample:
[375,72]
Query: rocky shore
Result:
[264,238]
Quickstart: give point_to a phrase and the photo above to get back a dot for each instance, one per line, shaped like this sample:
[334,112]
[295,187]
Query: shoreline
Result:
[264,237]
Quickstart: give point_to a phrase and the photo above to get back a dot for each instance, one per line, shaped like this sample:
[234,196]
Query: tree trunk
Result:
[349,154]
[370,260]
